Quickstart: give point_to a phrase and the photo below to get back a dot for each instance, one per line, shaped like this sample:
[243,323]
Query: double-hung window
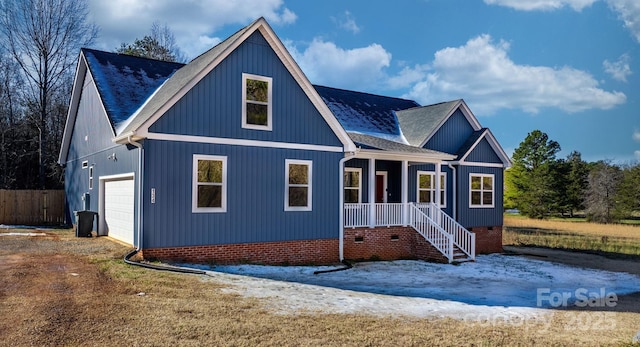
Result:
[427,187]
[481,190]
[256,102]
[298,178]
[352,185]
[209,183]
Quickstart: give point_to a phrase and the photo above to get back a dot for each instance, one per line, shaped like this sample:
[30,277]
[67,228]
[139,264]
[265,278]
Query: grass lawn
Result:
[58,290]
[573,234]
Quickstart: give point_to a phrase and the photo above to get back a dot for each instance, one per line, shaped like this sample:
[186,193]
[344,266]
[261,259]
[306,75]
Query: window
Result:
[256,102]
[209,183]
[91,177]
[427,187]
[297,196]
[481,190]
[85,164]
[352,185]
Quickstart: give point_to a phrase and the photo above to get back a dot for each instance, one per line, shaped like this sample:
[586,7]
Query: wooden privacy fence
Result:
[31,207]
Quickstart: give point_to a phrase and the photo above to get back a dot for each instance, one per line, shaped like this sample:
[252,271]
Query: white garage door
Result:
[118,209]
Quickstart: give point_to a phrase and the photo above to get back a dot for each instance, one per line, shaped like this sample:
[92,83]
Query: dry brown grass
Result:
[42,303]
[582,228]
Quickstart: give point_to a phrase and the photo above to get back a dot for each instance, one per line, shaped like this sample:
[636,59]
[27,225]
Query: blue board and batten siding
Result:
[255,196]
[213,107]
[255,175]
[483,153]
[451,135]
[471,217]
[91,142]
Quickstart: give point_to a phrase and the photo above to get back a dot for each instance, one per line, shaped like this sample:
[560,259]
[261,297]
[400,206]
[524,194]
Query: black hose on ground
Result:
[347,266]
[160,267]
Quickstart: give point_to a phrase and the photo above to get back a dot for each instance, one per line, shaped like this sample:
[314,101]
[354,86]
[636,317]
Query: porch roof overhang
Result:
[371,147]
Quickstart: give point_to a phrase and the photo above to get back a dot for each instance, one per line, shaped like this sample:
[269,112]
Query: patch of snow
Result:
[493,286]
[23,234]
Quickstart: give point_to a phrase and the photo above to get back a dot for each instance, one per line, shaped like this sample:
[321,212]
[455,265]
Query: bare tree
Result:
[44,37]
[600,201]
[10,88]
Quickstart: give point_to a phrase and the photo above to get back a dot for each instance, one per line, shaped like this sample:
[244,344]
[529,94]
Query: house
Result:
[237,157]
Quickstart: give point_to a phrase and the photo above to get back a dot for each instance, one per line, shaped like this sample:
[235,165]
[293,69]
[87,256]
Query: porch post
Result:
[436,199]
[405,192]
[372,193]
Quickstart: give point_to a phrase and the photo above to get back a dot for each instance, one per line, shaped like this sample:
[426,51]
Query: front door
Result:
[381,186]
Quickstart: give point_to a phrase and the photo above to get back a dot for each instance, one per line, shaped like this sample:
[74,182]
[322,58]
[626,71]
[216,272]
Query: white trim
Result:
[91,177]
[269,103]
[493,190]
[195,183]
[85,164]
[241,142]
[432,189]
[102,224]
[359,188]
[385,185]
[309,185]
[478,164]
[400,156]
[287,60]
[502,155]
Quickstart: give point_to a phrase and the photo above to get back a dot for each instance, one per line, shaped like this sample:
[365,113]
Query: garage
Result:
[118,209]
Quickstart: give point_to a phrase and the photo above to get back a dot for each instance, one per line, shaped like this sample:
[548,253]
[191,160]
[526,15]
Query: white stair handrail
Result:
[462,238]
[431,231]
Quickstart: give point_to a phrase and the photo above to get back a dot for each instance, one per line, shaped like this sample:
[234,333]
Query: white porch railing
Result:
[431,231]
[429,220]
[463,238]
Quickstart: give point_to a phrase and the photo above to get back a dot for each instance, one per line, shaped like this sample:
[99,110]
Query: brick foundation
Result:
[275,253]
[488,239]
[390,243]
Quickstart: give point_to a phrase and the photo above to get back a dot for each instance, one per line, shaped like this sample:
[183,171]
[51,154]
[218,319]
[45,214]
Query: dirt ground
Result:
[58,290]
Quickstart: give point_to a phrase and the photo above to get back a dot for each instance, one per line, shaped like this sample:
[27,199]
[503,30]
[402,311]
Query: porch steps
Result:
[459,256]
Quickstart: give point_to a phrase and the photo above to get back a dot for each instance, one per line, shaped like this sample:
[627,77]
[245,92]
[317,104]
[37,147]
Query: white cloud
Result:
[347,22]
[628,10]
[327,64]
[636,135]
[193,23]
[629,13]
[407,76]
[537,5]
[620,69]
[637,155]
[482,73]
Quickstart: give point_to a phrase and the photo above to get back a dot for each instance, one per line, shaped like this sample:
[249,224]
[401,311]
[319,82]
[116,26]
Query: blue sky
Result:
[566,67]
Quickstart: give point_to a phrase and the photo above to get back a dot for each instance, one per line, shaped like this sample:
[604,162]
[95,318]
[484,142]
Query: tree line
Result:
[541,185]
[40,41]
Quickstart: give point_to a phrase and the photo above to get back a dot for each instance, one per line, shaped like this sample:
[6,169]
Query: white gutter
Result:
[341,218]
[140,195]
[454,182]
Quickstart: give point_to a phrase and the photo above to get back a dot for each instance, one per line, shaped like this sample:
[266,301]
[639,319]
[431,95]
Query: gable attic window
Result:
[256,102]
[209,183]
[481,190]
[297,195]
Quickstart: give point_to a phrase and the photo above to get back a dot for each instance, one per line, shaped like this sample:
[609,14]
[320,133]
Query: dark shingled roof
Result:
[366,113]
[419,123]
[372,142]
[466,146]
[125,82]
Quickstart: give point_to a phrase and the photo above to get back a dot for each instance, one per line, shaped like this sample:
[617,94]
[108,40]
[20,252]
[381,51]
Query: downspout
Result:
[341,185]
[454,184]
[140,195]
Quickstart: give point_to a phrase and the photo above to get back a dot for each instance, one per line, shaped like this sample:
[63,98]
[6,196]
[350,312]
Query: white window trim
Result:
[443,188]
[359,188]
[194,185]
[269,104]
[85,164]
[493,190]
[309,185]
[91,177]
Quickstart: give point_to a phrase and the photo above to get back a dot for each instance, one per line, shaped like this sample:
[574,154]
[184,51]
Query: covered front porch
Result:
[400,191]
